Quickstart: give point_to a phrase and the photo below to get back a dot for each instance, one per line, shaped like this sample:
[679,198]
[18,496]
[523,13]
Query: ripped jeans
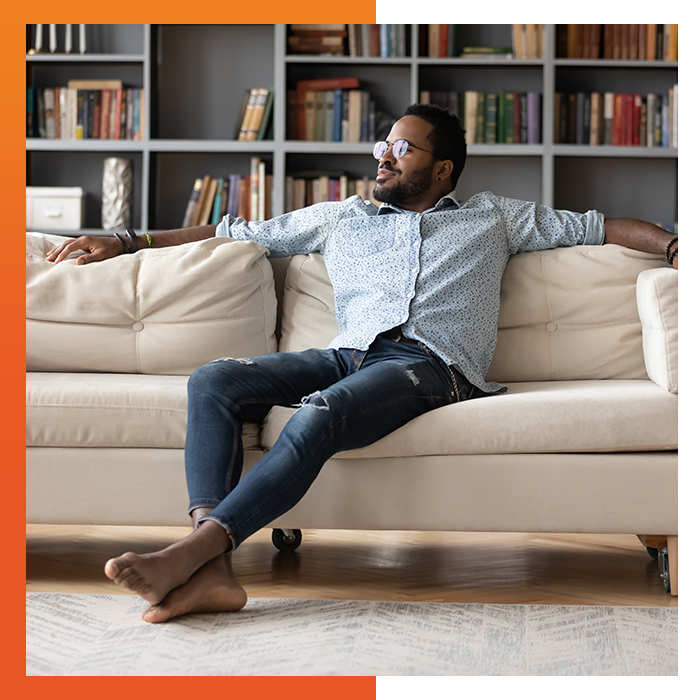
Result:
[347,399]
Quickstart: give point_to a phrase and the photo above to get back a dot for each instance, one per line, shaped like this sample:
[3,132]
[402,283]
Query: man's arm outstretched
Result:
[640,235]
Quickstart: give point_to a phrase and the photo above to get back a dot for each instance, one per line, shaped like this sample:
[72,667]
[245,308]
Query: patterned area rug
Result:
[96,635]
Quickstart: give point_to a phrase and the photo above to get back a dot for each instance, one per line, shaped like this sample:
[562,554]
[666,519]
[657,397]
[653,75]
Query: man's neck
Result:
[423,204]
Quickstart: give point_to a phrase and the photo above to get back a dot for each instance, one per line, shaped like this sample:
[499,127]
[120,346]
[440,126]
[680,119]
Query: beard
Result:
[416,184]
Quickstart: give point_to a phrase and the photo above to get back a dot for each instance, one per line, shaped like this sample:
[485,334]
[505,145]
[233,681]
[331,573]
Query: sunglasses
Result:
[398,148]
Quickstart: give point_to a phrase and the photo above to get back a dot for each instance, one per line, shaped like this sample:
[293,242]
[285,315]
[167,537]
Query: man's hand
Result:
[98,247]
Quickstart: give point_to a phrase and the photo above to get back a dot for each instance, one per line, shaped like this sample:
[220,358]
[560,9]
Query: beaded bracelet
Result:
[669,260]
[673,255]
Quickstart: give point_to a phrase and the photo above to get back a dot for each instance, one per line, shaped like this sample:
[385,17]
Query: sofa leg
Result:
[667,548]
[672,544]
[654,541]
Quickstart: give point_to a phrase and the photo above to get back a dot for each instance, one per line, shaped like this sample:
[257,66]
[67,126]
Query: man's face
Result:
[408,179]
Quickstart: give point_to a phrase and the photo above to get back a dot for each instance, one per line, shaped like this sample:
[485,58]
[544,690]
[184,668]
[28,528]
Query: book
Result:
[95,84]
[256,116]
[207,200]
[241,114]
[191,209]
[216,206]
[267,116]
[249,115]
[200,201]
[233,185]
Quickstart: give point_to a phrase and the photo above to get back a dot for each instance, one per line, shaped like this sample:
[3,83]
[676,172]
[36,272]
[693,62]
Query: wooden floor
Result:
[427,566]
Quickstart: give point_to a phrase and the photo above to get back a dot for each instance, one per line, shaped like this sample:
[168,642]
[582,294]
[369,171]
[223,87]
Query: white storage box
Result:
[54,208]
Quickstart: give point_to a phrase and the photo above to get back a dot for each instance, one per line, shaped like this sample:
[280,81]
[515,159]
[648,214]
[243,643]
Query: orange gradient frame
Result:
[12,352]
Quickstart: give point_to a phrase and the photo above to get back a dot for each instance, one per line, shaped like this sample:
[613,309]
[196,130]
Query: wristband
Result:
[123,243]
[149,240]
[133,242]
[669,259]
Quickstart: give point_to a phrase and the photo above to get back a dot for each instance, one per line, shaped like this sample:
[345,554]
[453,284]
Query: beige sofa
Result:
[585,439]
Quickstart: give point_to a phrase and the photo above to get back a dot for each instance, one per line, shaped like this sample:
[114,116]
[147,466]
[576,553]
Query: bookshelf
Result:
[194,78]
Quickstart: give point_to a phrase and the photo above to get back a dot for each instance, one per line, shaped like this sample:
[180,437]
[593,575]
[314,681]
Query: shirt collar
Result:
[449,201]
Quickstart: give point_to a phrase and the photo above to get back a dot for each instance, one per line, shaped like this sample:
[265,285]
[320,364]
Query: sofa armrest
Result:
[657,302]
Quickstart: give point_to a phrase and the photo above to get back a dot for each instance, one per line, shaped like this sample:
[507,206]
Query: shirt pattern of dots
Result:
[437,273]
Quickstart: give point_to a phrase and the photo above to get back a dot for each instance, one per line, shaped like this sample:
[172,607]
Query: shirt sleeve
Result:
[530,226]
[296,233]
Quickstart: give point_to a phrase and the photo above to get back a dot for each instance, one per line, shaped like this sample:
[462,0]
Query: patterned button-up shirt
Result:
[436,273]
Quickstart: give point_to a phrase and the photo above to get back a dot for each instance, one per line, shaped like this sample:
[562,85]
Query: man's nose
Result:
[388,157]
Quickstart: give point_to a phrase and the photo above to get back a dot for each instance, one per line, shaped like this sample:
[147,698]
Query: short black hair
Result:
[447,136]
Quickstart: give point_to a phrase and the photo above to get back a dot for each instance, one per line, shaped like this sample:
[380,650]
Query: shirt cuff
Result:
[595,228]
[223,228]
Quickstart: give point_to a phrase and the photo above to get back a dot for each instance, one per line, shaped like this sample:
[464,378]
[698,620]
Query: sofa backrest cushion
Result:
[568,313]
[159,311]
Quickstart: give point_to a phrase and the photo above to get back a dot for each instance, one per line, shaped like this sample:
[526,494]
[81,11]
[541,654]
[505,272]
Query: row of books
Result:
[317,39]
[333,109]
[305,189]
[631,42]
[254,121]
[86,109]
[356,40]
[442,41]
[377,40]
[493,117]
[617,119]
[248,196]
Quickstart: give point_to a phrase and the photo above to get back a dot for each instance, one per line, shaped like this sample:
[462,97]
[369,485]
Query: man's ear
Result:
[444,169]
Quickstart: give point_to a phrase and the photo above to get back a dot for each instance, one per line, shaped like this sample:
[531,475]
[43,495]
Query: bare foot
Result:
[152,576]
[213,588]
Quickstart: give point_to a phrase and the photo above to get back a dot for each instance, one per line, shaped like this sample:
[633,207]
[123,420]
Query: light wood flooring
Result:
[421,566]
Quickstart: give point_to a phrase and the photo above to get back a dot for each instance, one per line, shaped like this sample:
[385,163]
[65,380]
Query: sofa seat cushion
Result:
[533,417]
[110,410]
[159,311]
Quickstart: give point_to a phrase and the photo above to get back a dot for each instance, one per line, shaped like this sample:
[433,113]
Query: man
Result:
[416,285]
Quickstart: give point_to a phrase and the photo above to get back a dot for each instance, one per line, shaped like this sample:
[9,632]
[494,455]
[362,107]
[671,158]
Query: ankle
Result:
[197,514]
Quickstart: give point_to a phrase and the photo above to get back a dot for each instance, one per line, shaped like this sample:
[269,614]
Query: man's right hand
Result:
[97,247]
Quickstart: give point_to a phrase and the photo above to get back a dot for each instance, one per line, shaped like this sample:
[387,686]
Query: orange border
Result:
[12,350]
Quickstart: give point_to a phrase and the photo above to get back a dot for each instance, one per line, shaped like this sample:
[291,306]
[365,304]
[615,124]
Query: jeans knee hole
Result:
[315,400]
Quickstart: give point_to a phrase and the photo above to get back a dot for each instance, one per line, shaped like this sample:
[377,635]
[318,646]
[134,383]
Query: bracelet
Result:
[133,240]
[121,240]
[669,260]
[149,240]
[673,255]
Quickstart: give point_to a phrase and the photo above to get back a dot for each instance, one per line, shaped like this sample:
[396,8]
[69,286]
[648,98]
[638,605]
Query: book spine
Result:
[534,120]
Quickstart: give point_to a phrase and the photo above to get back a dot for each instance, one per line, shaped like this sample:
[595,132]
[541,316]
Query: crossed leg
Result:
[193,575]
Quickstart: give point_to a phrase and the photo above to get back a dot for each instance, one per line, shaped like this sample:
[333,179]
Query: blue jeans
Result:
[347,399]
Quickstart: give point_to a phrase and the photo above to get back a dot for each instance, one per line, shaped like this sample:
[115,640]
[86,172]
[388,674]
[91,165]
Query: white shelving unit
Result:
[194,77]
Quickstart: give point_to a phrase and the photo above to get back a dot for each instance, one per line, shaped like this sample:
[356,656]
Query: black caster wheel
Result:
[653,553]
[663,568]
[286,540]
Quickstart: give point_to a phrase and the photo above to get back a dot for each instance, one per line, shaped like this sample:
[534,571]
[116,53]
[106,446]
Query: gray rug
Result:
[97,635]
